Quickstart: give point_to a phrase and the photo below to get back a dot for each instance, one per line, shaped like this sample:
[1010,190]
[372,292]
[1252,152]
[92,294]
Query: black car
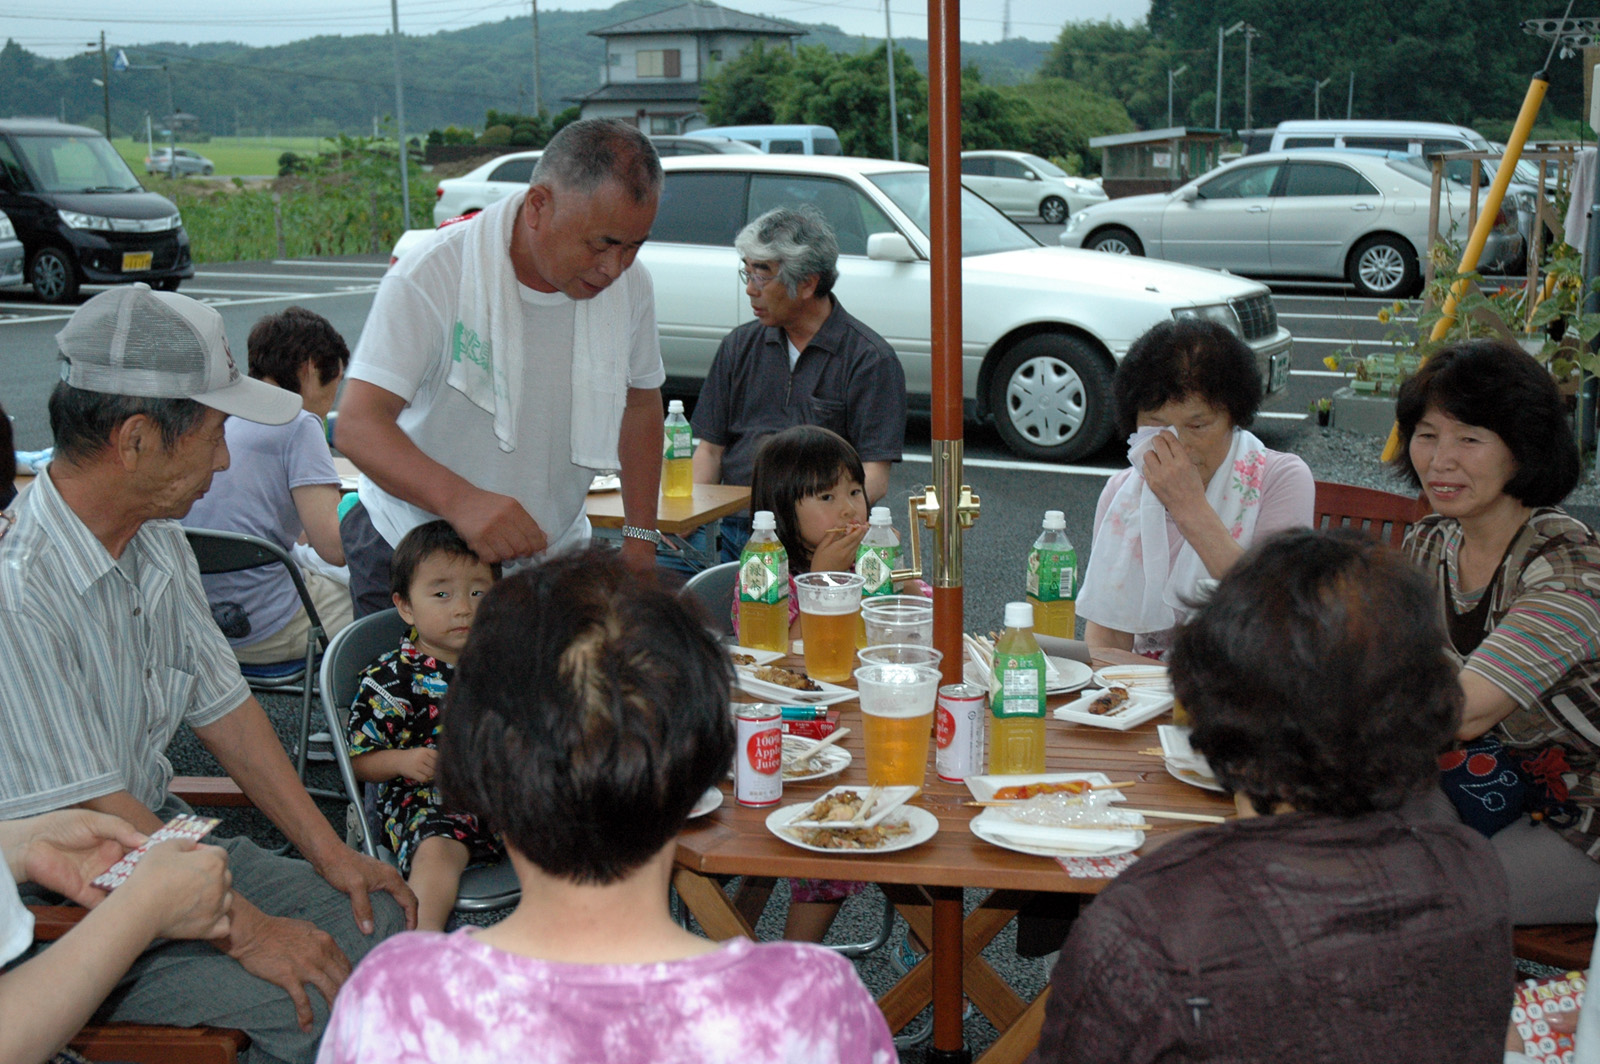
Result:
[82,216]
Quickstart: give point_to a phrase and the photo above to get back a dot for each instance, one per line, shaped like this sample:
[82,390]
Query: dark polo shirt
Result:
[847,379]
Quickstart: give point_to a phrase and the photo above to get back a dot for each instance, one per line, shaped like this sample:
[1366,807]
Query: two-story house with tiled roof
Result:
[655,65]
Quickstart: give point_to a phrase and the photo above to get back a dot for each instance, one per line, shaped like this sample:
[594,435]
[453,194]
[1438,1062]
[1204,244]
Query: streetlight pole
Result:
[1350,100]
[105,80]
[1316,107]
[400,118]
[538,99]
[1250,34]
[1221,34]
[1171,74]
[894,116]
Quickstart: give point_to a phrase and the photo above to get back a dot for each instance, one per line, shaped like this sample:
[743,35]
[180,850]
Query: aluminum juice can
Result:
[958,731]
[758,760]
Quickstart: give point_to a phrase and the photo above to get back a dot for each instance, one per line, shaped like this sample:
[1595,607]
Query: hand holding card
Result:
[183,826]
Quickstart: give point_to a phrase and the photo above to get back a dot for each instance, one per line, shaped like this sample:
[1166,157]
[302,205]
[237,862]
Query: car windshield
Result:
[76,164]
[984,230]
[1045,166]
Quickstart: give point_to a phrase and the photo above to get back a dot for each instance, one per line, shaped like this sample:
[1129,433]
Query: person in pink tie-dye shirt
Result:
[588,714]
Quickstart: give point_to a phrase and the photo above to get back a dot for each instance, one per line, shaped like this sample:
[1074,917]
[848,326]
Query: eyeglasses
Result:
[761,277]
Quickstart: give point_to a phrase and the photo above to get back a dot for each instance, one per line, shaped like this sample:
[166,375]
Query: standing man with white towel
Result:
[509,360]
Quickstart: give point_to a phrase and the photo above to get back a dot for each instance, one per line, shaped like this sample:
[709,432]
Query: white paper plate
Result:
[604,482]
[983,788]
[1073,675]
[1143,704]
[924,826]
[709,802]
[830,762]
[1194,779]
[762,657]
[889,799]
[989,828]
[788,696]
[1152,676]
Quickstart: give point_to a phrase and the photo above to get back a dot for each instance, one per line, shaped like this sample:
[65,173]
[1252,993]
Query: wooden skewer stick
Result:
[1199,818]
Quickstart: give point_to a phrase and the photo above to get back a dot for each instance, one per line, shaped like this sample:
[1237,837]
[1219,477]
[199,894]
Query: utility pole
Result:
[1171,74]
[400,119]
[105,81]
[1250,34]
[1316,107]
[1221,34]
[538,99]
[894,110]
[172,126]
[1350,101]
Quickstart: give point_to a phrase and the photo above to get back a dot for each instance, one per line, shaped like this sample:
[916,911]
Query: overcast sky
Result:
[67,26]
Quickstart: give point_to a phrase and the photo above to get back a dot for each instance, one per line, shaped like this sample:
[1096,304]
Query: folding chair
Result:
[231,552]
[352,650]
[715,588]
[1382,515]
[138,1043]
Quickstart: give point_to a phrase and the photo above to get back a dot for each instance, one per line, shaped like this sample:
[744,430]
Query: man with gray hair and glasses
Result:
[803,361]
[506,362]
[111,647]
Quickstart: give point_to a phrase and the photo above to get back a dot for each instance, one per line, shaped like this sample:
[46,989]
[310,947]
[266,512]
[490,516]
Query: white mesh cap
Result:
[130,340]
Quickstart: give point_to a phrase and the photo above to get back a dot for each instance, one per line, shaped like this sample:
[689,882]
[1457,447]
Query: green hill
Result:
[323,85]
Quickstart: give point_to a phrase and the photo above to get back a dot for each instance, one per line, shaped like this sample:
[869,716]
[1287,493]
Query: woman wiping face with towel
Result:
[1200,487]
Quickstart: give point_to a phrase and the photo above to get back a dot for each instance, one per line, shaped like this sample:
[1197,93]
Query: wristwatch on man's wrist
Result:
[635,532]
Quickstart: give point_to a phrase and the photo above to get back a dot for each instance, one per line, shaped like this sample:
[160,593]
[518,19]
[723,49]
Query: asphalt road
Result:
[1014,493]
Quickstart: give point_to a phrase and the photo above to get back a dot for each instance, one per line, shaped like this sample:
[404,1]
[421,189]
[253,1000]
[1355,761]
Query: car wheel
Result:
[1051,397]
[166,284]
[1053,210]
[1115,241]
[54,278]
[1385,266]
[206,171]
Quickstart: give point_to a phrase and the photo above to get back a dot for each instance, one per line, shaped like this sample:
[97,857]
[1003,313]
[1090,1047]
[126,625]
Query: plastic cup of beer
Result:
[829,606]
[898,619]
[897,712]
[900,654]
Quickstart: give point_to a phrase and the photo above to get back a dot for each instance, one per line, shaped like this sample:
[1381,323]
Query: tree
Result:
[1127,63]
[743,91]
[851,94]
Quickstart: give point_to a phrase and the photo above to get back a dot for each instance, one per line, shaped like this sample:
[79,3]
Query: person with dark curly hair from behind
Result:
[1320,926]
[588,715]
[1517,588]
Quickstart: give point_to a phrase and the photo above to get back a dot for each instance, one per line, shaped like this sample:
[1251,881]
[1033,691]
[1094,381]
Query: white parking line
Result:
[1346,340]
[1030,467]
[1343,317]
[284,277]
[1316,373]
[281,298]
[333,265]
[1281,416]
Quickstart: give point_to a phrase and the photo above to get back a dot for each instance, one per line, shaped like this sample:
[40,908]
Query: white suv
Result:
[1043,326]
[489,183]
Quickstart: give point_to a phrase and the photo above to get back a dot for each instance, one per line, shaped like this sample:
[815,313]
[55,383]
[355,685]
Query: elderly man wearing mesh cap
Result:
[105,624]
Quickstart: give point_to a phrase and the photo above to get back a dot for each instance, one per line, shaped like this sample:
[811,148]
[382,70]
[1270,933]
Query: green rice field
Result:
[233,156]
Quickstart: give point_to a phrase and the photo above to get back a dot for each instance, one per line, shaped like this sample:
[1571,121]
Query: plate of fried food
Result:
[829,761]
[1061,825]
[1013,788]
[750,656]
[1118,707]
[786,687]
[903,828]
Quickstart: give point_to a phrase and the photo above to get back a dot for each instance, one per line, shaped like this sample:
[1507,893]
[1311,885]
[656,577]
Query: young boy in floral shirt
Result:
[436,582]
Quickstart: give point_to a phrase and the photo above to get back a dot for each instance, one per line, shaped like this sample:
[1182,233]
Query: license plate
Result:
[1279,377]
[136,260]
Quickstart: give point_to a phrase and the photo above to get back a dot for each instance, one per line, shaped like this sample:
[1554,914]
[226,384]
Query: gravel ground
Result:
[1334,455]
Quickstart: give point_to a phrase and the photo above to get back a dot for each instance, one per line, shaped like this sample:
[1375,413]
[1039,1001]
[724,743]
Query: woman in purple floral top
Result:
[587,716]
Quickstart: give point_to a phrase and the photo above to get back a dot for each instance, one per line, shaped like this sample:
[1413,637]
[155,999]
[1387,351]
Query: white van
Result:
[779,140]
[1412,138]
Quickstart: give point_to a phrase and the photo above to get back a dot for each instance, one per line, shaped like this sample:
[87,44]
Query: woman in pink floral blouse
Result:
[1200,487]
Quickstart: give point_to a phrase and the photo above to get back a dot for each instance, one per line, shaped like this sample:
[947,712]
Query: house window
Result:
[660,64]
[662,124]
[615,59]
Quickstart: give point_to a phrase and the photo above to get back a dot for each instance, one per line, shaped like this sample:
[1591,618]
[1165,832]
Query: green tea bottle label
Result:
[1053,575]
[764,577]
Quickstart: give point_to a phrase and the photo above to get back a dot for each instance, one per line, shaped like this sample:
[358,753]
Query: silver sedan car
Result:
[11,253]
[1300,214]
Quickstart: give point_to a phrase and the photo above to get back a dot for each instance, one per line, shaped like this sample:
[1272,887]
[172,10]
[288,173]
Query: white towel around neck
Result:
[1128,585]
[489,325]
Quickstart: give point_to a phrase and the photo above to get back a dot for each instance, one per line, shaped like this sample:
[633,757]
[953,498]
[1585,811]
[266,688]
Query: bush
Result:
[496,136]
[290,163]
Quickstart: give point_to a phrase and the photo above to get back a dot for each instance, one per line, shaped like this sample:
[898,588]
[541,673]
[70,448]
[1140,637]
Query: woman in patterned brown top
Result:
[1518,584]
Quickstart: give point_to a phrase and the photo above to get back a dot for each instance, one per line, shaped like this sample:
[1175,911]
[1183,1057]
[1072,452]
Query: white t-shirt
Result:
[405,349]
[16,922]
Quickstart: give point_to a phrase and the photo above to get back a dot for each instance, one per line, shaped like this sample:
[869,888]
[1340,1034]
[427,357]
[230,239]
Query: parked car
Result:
[1043,326]
[177,161]
[82,216]
[1024,184]
[1296,214]
[489,183]
[668,146]
[11,254]
[778,139]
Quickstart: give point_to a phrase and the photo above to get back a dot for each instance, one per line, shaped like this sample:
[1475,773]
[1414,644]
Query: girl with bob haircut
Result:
[588,715]
[1517,591]
[1320,926]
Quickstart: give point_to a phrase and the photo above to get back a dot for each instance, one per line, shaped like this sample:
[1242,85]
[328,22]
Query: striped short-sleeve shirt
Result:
[107,656]
[1542,646]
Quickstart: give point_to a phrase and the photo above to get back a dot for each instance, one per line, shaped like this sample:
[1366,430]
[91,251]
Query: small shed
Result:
[1156,160]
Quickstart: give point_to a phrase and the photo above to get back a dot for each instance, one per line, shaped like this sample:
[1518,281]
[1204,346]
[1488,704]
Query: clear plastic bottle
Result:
[877,557]
[677,454]
[1053,579]
[764,587]
[1017,697]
